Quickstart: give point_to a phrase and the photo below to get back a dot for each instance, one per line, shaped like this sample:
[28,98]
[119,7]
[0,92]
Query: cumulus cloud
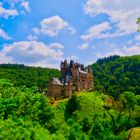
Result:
[25,4]
[97,31]
[4,59]
[30,53]
[4,35]
[52,26]
[83,46]
[137,37]
[8,12]
[31,37]
[36,31]
[14,8]
[123,13]
[125,51]
[56,46]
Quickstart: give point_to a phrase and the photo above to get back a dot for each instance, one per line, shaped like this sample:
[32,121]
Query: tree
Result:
[22,75]
[86,124]
[128,101]
[22,102]
[138,22]
[115,75]
[72,105]
[21,130]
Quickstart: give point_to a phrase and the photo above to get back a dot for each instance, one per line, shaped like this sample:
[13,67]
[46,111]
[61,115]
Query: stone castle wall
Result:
[74,77]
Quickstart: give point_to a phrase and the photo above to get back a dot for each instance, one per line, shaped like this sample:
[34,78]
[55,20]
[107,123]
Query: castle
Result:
[74,77]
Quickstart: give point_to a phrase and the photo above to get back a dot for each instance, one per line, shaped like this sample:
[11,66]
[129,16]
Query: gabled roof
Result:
[56,81]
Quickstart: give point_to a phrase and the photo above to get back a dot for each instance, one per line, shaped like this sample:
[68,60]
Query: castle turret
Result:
[74,77]
[72,65]
[64,67]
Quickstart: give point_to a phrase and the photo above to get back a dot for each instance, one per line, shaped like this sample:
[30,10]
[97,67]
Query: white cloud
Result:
[4,35]
[123,13]
[135,50]
[49,65]
[72,30]
[8,12]
[137,37]
[4,59]
[73,57]
[25,4]
[32,37]
[53,25]
[83,46]
[36,31]
[14,8]
[96,31]
[56,46]
[125,51]
[30,53]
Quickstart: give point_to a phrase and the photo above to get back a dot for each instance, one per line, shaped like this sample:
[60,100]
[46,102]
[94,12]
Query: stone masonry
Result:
[74,77]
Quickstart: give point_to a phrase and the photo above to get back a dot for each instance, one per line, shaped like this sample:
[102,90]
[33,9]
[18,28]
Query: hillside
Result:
[21,75]
[26,113]
[114,75]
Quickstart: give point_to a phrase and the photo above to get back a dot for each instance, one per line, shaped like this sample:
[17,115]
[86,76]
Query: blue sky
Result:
[44,32]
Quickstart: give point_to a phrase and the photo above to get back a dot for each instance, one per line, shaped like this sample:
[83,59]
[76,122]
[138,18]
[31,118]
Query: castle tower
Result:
[64,67]
[74,77]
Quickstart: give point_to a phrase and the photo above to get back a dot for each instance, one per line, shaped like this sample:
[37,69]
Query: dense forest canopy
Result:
[22,75]
[114,75]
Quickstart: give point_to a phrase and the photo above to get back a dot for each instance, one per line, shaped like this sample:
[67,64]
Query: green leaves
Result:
[21,130]
[128,100]
[138,22]
[72,106]
[25,113]
[24,103]
[21,75]
[115,75]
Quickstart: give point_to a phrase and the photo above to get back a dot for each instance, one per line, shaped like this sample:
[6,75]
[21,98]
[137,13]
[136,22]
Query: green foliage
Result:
[72,106]
[115,75]
[21,75]
[129,103]
[25,111]
[138,22]
[86,124]
[24,103]
[20,130]
[27,114]
[128,100]
[89,103]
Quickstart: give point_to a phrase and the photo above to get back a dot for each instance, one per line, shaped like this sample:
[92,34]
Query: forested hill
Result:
[114,75]
[21,75]
[27,114]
